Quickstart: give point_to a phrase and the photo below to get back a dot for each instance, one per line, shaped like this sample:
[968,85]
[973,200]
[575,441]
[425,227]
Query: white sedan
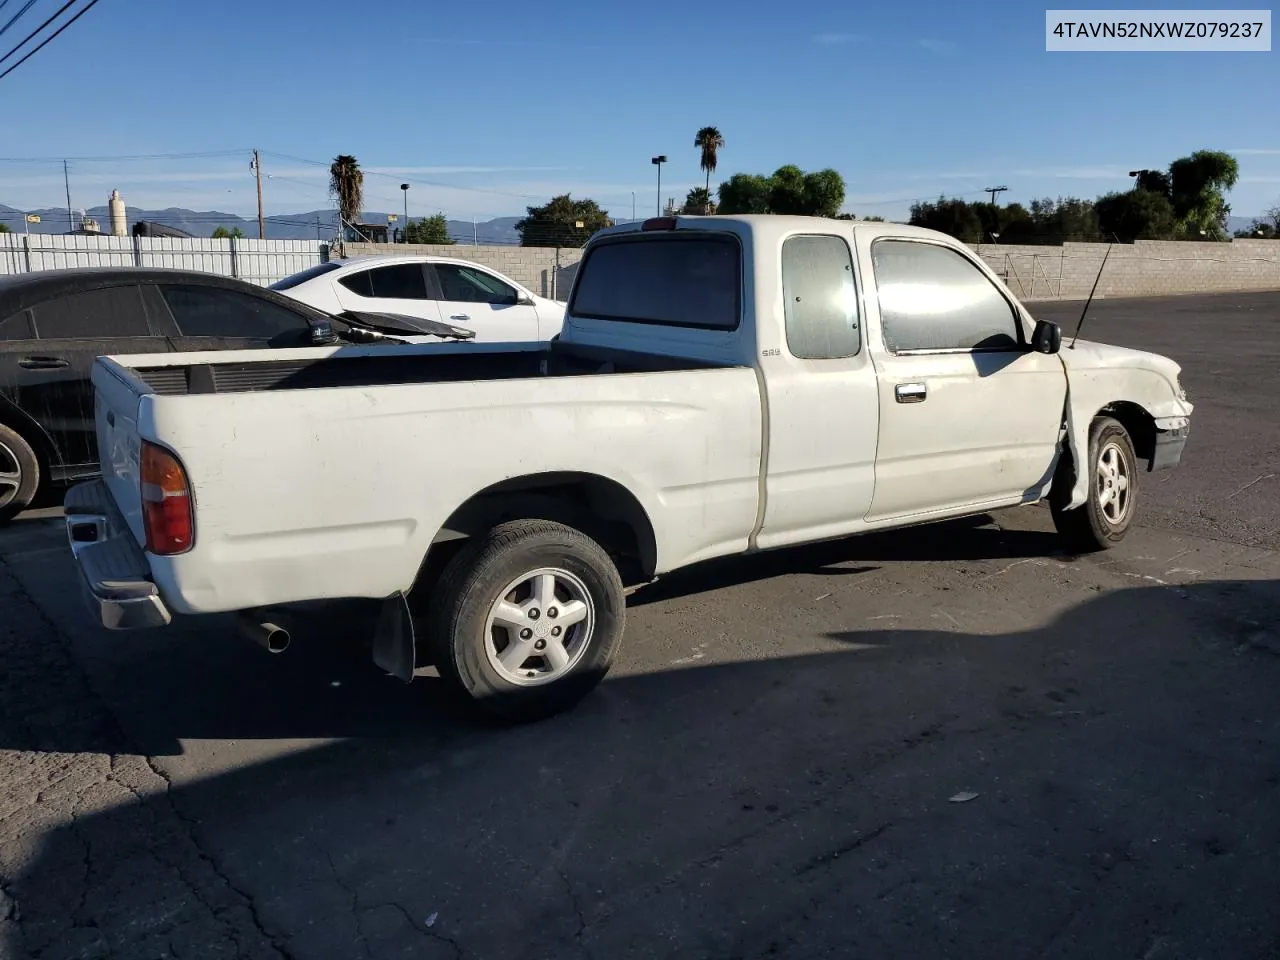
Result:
[442,289]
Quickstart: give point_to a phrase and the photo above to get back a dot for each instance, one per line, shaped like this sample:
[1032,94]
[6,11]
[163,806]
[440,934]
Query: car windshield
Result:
[320,269]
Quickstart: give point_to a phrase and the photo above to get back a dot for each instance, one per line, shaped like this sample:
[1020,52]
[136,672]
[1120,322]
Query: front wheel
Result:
[1104,518]
[19,474]
[526,619]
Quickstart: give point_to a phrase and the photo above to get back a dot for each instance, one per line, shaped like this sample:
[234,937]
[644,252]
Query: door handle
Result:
[460,316]
[910,392]
[42,363]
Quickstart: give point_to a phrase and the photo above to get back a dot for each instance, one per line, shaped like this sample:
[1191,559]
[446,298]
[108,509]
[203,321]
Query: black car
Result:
[54,323]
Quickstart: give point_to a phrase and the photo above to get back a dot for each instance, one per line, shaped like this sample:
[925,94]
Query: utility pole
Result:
[66,180]
[658,162]
[257,172]
[993,191]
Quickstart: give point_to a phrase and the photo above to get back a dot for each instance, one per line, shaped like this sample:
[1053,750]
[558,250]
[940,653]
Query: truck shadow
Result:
[736,809]
[199,679]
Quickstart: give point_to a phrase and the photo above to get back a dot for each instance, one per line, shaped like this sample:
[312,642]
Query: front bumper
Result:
[1171,440]
[114,575]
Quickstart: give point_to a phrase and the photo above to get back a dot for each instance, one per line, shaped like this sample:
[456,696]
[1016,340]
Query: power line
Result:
[28,37]
[404,179]
[14,19]
[53,36]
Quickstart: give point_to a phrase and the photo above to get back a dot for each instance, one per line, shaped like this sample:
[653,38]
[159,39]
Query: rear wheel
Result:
[525,621]
[1104,518]
[19,474]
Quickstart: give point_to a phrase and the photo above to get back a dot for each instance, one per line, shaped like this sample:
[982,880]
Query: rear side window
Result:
[401,281]
[932,298]
[103,314]
[679,281]
[16,327]
[820,301]
[303,276]
[215,312]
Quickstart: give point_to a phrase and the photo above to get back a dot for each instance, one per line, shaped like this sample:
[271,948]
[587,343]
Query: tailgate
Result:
[117,400]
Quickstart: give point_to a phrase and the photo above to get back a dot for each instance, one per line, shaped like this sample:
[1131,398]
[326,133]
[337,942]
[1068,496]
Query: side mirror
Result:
[523,301]
[1047,337]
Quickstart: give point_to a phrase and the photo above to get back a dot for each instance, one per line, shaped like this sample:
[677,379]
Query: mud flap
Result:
[393,641]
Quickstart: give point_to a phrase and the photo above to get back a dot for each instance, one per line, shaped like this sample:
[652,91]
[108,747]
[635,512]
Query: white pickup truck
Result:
[722,385]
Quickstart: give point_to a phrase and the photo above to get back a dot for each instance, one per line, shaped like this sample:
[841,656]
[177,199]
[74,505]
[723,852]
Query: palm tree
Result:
[709,141]
[346,182]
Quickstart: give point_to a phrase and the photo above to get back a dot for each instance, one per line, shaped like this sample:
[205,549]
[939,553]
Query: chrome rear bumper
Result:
[114,575]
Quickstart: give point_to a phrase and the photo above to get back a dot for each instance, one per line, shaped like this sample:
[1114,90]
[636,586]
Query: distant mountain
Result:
[311,225]
[1239,223]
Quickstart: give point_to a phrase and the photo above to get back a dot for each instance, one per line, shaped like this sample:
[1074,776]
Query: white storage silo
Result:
[119,222]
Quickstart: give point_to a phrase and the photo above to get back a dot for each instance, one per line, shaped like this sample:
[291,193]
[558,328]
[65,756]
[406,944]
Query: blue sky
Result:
[491,106]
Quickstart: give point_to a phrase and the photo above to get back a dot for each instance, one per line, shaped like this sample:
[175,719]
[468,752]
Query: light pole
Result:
[405,189]
[658,161]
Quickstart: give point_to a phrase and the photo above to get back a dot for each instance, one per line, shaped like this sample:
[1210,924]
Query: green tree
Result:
[1259,229]
[1196,187]
[556,224]
[789,190]
[1154,181]
[744,193]
[222,233]
[953,217]
[4,228]
[346,183]
[698,201]
[1136,215]
[1054,221]
[823,193]
[710,142]
[786,191]
[433,229]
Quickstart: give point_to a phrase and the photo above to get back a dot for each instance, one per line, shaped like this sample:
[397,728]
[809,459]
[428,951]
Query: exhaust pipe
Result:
[270,636]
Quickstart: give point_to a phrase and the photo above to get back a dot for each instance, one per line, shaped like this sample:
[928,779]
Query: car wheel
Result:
[525,620]
[1104,518]
[19,474]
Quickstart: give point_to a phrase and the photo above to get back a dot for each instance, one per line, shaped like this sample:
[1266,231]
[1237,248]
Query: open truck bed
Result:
[359,366]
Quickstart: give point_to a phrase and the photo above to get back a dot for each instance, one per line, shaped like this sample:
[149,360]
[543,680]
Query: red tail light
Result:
[659,223]
[166,502]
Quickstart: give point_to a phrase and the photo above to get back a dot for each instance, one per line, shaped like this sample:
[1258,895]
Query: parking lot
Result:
[952,741]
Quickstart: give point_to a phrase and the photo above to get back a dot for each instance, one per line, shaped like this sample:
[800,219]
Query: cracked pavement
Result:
[767,773]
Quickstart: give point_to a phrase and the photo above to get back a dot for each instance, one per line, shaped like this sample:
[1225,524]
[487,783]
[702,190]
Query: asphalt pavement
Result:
[953,741]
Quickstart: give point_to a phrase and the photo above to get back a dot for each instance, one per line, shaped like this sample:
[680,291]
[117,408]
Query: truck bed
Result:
[385,366]
[339,492]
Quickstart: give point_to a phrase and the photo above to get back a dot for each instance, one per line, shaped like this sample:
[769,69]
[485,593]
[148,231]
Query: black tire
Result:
[1095,525]
[19,474]
[473,583]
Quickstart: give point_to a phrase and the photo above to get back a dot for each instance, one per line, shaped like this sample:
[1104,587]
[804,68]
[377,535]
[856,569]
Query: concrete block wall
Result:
[546,271]
[1147,268]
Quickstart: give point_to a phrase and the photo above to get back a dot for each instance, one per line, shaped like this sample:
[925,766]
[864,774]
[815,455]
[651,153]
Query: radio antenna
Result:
[1080,323]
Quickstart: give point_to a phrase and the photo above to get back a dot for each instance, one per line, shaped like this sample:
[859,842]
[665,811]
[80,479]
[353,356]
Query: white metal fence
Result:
[257,261]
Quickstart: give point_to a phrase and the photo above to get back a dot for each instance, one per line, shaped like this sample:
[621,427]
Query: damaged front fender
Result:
[1098,378]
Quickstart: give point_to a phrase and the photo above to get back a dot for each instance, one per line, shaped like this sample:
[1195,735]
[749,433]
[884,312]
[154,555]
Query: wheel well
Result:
[29,431]
[1138,422]
[601,508]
